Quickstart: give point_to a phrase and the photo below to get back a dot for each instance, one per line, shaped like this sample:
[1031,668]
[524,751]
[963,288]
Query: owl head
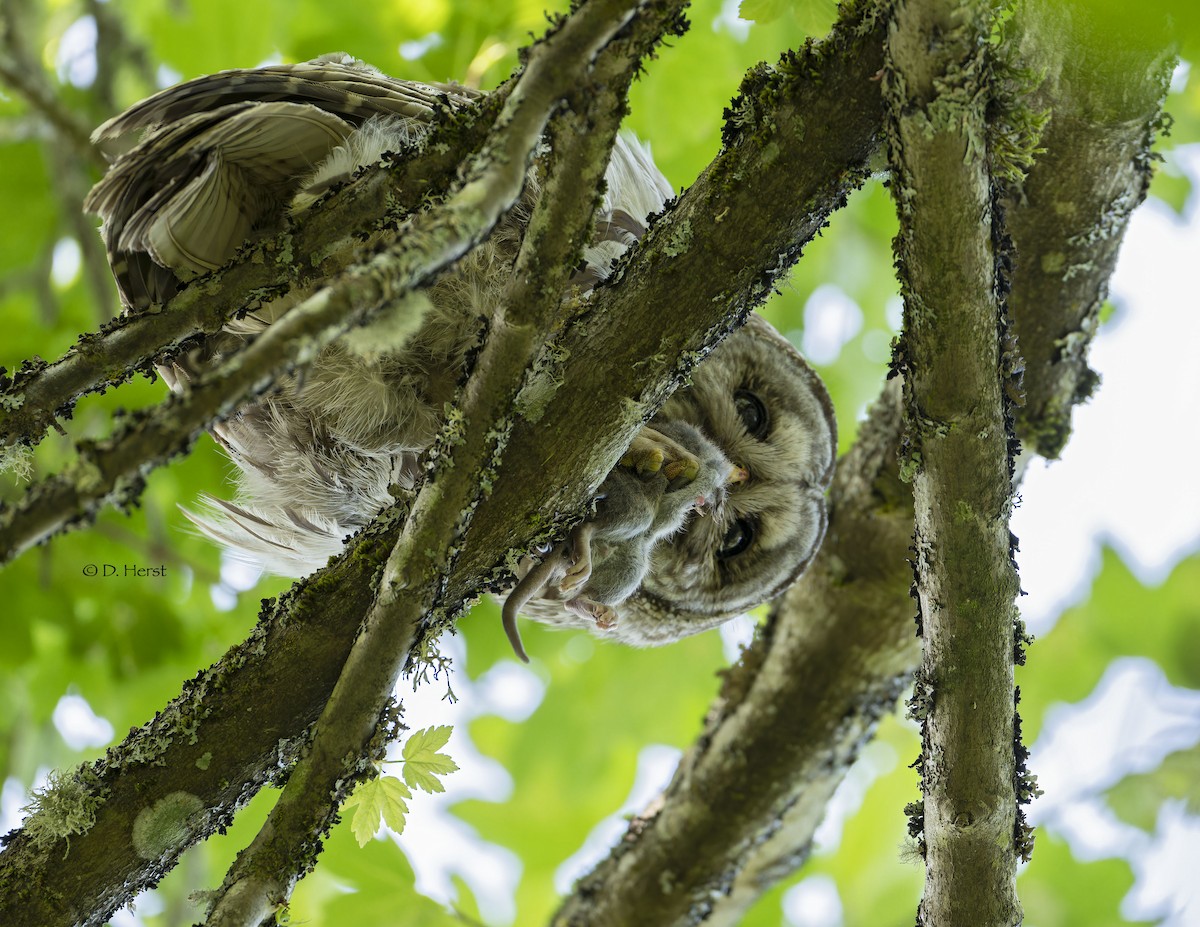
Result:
[758,400]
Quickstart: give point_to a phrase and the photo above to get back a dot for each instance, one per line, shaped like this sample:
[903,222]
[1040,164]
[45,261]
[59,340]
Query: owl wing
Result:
[221,155]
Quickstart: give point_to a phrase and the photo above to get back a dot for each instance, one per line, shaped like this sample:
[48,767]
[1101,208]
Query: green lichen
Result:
[1053,262]
[680,239]
[910,466]
[1014,128]
[542,382]
[167,825]
[66,805]
[286,255]
[17,459]
[204,761]
[86,474]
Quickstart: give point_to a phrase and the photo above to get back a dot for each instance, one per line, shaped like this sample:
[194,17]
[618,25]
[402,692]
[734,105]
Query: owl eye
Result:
[752,412]
[739,536]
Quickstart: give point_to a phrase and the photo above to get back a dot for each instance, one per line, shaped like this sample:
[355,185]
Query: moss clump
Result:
[65,806]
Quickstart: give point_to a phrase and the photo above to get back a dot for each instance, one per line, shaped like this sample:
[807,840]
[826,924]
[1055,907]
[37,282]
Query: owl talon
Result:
[645,461]
[688,468]
[652,453]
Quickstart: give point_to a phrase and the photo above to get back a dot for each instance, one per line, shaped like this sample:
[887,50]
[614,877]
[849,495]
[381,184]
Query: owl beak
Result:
[737,475]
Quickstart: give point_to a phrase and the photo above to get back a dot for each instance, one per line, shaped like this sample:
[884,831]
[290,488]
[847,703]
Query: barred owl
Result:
[717,506]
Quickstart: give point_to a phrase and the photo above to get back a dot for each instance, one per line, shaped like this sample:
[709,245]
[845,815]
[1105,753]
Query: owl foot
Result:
[605,616]
[652,453]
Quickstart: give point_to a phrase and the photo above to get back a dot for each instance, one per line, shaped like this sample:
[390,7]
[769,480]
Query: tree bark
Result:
[959,455]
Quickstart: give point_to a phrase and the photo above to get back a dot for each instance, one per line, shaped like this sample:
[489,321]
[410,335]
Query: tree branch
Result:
[415,573]
[634,346]
[321,243]
[113,470]
[841,636]
[841,668]
[959,456]
[1067,222]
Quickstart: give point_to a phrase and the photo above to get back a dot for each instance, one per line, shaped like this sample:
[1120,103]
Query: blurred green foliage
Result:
[125,644]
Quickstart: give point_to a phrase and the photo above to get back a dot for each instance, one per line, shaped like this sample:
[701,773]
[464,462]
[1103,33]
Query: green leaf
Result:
[1057,890]
[384,799]
[761,11]
[1137,798]
[364,886]
[1173,189]
[422,762]
[1120,618]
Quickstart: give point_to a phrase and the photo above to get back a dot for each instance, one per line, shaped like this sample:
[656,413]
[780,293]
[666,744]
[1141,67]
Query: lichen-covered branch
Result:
[847,624]
[1067,221]
[691,859]
[863,576]
[208,751]
[112,471]
[937,81]
[228,734]
[798,140]
[841,645]
[414,575]
[321,243]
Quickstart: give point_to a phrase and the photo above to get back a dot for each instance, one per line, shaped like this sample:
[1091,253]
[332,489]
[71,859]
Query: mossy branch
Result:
[293,260]
[416,570]
[959,454]
[113,470]
[837,650]
[303,639]
[227,734]
[841,642]
[1068,219]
